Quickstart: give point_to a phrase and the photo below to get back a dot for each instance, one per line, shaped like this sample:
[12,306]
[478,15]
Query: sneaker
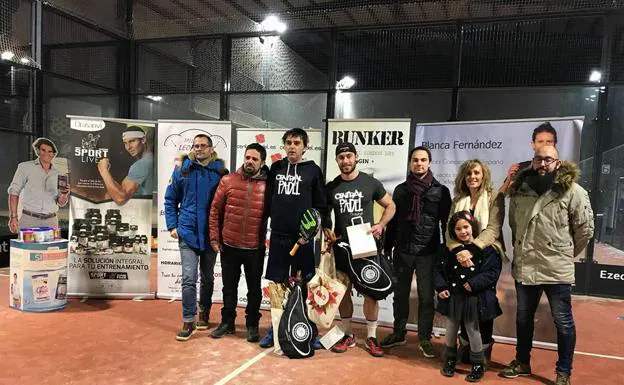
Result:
[202,323]
[252,334]
[267,340]
[316,343]
[222,330]
[372,346]
[562,379]
[393,339]
[476,373]
[426,347]
[515,369]
[448,370]
[188,329]
[346,342]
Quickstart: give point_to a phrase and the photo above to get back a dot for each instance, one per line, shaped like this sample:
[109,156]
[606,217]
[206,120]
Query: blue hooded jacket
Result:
[188,199]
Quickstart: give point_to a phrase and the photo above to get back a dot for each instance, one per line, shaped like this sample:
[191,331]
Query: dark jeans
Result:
[404,267]
[253,262]
[191,258]
[560,301]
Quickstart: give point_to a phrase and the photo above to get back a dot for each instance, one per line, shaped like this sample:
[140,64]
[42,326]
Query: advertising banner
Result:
[383,147]
[110,220]
[499,144]
[175,138]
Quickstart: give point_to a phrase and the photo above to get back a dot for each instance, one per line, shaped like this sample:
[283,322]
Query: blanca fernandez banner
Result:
[111,183]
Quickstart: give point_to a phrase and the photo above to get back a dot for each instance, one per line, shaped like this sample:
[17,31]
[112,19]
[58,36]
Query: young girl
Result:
[467,294]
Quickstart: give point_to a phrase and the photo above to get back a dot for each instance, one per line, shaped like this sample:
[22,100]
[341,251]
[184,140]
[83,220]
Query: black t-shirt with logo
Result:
[352,199]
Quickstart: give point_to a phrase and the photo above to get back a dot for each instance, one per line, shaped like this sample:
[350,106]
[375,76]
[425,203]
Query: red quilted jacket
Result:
[238,215]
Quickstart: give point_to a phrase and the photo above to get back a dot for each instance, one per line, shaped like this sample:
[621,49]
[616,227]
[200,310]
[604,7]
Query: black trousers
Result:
[404,267]
[253,262]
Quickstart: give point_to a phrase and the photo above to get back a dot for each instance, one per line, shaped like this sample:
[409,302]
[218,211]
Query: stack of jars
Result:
[90,236]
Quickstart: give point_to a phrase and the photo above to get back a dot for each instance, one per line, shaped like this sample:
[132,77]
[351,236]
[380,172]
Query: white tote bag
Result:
[361,239]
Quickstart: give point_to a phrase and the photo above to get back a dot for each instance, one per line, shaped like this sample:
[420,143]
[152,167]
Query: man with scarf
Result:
[422,210]
[551,222]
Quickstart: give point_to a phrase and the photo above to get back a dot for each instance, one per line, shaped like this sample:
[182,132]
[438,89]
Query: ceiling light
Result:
[24,60]
[345,83]
[7,55]
[154,98]
[272,23]
[595,76]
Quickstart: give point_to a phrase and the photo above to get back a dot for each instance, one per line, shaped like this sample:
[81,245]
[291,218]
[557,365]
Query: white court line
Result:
[244,366]
[5,275]
[599,355]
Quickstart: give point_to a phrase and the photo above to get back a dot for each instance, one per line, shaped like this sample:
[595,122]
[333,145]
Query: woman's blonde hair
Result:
[461,189]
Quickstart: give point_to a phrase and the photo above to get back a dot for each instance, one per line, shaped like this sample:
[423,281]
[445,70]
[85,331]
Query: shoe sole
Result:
[223,335]
[202,327]
[178,338]
[374,354]
[515,376]
[425,354]
[254,339]
[399,343]
[446,374]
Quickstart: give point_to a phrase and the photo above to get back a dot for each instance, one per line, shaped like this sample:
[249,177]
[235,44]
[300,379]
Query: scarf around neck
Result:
[417,185]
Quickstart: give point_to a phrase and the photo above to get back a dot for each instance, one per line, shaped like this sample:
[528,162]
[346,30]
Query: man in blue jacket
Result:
[187,205]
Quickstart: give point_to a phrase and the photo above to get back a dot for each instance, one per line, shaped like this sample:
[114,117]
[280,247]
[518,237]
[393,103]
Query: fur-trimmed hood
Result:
[567,175]
[215,164]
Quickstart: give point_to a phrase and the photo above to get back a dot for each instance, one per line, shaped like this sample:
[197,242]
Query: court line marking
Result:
[244,366]
[599,355]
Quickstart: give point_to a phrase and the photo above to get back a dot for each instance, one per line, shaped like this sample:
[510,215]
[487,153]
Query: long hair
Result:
[461,188]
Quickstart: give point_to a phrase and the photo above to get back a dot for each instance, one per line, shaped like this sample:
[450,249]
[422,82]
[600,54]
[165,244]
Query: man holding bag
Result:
[352,195]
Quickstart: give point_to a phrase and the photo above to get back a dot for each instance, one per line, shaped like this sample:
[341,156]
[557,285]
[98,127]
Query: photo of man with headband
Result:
[139,180]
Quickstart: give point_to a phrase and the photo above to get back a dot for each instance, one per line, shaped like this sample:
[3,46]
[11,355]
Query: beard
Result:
[541,183]
[347,170]
[249,170]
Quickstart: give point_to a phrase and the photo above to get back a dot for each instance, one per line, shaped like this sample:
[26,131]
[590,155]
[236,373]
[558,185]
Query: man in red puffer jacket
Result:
[238,219]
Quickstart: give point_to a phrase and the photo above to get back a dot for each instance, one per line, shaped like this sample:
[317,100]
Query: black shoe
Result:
[448,370]
[188,329]
[476,373]
[222,330]
[394,339]
[202,323]
[515,369]
[252,334]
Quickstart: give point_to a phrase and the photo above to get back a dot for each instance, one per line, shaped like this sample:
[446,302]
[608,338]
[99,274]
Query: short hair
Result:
[461,189]
[39,141]
[258,147]
[420,148]
[203,136]
[297,133]
[544,127]
[465,215]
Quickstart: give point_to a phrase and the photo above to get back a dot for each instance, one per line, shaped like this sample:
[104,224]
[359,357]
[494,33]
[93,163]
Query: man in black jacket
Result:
[422,210]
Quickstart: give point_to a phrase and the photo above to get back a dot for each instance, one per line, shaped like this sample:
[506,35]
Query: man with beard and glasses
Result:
[551,222]
[351,195]
[240,198]
[187,208]
[422,210]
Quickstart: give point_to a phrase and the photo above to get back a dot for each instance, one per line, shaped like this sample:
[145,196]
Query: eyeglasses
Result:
[201,146]
[538,160]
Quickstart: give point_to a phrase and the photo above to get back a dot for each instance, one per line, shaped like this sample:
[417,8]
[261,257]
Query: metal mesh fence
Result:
[180,67]
[551,51]
[15,39]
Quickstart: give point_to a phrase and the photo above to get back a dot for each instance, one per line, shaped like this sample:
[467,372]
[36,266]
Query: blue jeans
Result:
[560,301]
[192,258]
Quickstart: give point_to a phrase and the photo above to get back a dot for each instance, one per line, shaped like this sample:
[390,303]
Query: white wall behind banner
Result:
[175,137]
[271,139]
[499,144]
[383,147]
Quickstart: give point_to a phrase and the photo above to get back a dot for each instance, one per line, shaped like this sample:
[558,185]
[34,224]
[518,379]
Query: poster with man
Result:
[111,207]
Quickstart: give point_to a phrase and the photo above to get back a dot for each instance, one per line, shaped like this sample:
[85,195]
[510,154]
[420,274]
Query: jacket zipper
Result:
[246,214]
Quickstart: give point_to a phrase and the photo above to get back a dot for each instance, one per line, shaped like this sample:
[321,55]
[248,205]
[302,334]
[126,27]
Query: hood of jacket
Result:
[215,164]
[567,175]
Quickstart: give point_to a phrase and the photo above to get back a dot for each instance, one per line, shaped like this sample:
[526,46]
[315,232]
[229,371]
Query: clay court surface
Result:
[130,342]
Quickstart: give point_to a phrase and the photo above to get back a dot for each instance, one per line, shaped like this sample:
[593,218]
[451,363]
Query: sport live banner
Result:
[383,148]
[271,139]
[499,144]
[110,216]
[175,138]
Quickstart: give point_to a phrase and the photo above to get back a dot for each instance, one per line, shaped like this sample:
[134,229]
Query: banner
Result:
[110,219]
[499,144]
[271,139]
[175,138]
[383,147]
